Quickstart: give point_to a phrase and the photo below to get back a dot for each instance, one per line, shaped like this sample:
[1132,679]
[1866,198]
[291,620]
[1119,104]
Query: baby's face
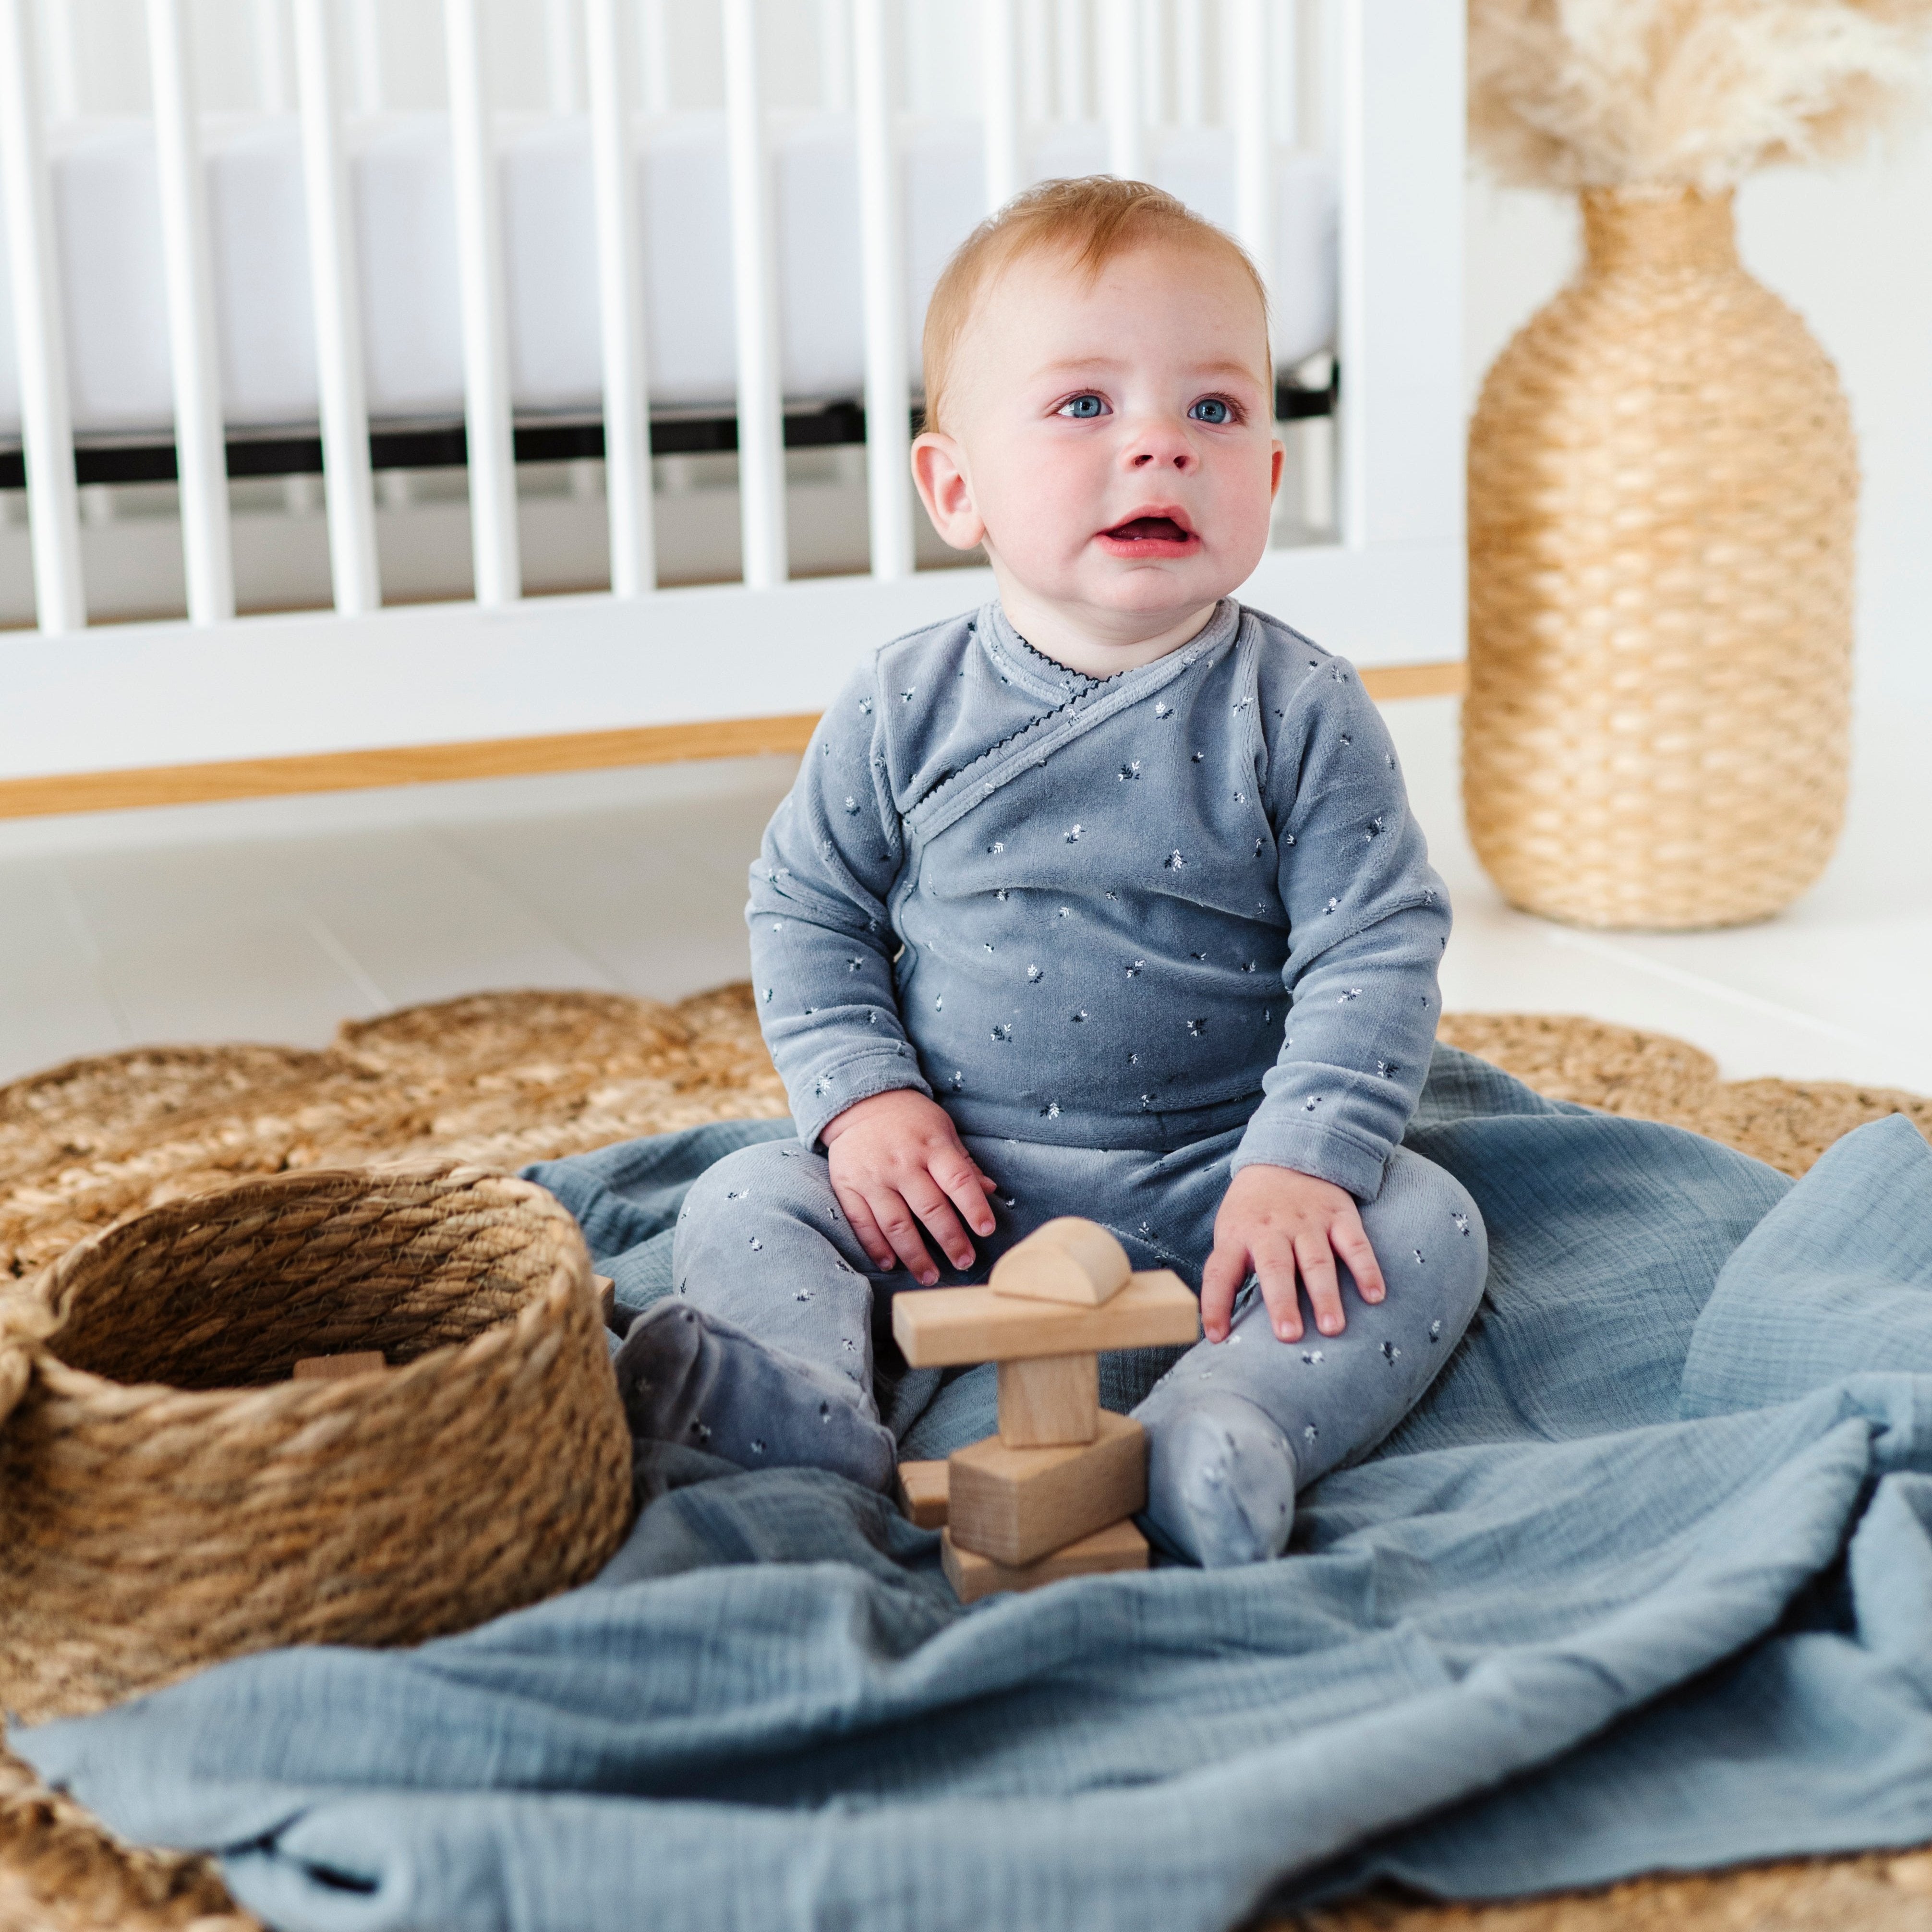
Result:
[1112,444]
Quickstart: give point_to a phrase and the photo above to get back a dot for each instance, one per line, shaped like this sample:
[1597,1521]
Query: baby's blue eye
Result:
[1083,407]
[1211,410]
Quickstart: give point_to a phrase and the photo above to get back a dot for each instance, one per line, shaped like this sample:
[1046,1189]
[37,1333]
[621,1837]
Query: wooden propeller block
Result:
[1016,1505]
[1119,1546]
[1066,1260]
[336,1368]
[924,1493]
[1049,1400]
[943,1327]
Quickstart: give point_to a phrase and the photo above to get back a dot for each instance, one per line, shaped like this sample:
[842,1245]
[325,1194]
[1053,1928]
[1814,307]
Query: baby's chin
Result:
[1150,585]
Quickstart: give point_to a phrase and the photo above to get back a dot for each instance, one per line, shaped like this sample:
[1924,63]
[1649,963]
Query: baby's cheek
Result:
[1039,508]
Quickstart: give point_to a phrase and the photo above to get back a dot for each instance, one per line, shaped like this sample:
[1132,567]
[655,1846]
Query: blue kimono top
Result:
[1134,912]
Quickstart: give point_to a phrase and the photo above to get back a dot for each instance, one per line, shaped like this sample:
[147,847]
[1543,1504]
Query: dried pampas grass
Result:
[1683,94]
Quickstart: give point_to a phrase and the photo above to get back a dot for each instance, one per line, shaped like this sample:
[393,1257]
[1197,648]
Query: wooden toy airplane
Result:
[1053,1494]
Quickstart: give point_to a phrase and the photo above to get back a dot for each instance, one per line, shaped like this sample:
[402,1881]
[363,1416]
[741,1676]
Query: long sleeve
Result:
[822,942]
[1368,921]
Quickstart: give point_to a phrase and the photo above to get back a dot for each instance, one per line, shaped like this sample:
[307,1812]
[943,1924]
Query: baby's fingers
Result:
[1275,1270]
[896,1223]
[1318,1277]
[1352,1243]
[860,1218]
[967,1188]
[1220,1281]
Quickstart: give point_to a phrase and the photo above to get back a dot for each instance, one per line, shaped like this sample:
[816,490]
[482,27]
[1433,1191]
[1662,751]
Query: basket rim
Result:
[62,1380]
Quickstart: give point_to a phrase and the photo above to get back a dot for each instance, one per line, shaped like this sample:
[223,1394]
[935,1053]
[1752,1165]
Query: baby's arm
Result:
[821,941]
[821,960]
[1368,920]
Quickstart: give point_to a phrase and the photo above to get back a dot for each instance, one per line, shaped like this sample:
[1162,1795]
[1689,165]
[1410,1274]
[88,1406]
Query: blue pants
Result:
[764,1253]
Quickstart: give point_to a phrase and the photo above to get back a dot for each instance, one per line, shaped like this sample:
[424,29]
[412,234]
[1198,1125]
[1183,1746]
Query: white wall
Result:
[1851,249]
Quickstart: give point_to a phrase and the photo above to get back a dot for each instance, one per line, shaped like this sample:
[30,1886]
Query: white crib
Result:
[1366,94]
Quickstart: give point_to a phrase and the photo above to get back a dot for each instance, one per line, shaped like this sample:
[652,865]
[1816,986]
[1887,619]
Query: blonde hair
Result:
[1088,220]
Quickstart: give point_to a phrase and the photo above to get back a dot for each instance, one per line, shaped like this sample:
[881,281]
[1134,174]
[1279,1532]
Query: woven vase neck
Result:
[1627,230]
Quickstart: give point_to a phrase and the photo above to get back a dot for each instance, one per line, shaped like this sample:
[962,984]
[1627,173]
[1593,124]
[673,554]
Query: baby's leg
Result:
[1236,1427]
[764,1353]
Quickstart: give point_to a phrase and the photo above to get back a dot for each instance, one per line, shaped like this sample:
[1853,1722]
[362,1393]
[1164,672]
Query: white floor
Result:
[273,921]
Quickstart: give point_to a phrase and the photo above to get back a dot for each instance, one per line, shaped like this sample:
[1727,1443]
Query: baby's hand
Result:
[1277,1222]
[896,1160]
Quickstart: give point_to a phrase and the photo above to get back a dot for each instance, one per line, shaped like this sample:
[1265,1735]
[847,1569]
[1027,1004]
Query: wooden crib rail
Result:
[501,758]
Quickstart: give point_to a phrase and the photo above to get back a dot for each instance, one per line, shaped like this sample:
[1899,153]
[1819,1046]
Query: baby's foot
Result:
[1220,1478]
[688,1377]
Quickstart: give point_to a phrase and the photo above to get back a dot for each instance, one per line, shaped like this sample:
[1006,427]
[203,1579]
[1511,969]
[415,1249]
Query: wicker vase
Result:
[1663,485]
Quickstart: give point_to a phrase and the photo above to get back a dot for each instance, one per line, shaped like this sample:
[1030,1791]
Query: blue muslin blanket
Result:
[1646,1582]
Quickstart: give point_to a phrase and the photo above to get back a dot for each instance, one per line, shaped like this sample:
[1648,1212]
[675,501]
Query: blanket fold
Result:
[1646,1581]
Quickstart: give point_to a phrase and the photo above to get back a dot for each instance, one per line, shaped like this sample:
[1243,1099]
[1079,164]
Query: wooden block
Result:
[1048,1400]
[923,1493]
[1119,1546]
[1014,1505]
[607,1296]
[1066,1260]
[334,1368]
[936,1328]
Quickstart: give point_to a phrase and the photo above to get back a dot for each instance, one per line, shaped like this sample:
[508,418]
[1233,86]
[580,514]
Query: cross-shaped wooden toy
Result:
[1052,1494]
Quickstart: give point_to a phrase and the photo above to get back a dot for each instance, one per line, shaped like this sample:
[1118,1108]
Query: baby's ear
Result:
[939,469]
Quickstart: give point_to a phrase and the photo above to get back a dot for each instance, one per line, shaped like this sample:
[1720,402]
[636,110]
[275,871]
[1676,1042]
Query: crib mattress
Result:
[107,222]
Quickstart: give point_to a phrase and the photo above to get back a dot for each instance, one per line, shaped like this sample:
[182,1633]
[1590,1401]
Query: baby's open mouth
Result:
[1149,529]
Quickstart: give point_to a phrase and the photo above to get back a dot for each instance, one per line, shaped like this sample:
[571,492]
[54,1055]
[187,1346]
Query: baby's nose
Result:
[1160,450]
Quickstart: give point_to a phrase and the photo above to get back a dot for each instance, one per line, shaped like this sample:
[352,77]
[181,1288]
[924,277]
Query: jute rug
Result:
[504,1078]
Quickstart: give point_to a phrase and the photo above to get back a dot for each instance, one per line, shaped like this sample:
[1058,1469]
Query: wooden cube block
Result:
[607,1296]
[1066,1260]
[1119,1546]
[936,1328]
[1048,1400]
[334,1368]
[923,1493]
[1015,1505]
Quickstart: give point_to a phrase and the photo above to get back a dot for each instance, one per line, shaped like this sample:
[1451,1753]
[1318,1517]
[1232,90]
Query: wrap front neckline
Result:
[1078,708]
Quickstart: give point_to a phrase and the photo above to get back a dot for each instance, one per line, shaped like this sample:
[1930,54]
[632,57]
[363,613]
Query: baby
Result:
[1104,899]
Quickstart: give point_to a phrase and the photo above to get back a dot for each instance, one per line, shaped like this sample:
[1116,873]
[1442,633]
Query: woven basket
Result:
[170,1498]
[1663,486]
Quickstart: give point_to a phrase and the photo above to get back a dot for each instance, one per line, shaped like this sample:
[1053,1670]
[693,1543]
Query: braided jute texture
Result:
[1663,487]
[93,1139]
[169,1497]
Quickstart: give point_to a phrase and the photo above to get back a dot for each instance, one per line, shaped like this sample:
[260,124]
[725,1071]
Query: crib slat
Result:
[888,383]
[46,425]
[1248,71]
[1069,58]
[365,48]
[654,54]
[1121,41]
[835,56]
[1190,62]
[199,454]
[1285,84]
[560,59]
[627,453]
[761,493]
[333,281]
[999,99]
[272,58]
[1037,66]
[497,562]
[60,49]
[1154,70]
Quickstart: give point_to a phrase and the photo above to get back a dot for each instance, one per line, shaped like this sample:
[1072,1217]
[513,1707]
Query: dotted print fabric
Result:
[1131,912]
